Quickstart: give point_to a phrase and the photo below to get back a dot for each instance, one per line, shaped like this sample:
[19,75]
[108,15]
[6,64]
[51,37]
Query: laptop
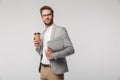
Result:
[56,45]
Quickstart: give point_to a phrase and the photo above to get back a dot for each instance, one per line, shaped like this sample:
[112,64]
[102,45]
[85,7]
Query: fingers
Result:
[37,43]
[49,53]
[49,50]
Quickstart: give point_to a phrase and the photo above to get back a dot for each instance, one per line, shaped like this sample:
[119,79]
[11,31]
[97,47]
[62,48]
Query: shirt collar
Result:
[50,27]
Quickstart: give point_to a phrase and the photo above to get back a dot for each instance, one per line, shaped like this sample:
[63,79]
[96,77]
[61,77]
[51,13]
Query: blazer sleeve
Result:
[68,47]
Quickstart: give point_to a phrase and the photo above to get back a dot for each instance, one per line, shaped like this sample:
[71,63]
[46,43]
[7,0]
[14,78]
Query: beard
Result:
[48,23]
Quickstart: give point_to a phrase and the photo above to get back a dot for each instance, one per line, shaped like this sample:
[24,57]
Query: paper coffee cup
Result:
[37,37]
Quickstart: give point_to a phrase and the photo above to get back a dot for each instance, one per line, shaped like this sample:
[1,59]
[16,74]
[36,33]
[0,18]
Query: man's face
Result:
[47,17]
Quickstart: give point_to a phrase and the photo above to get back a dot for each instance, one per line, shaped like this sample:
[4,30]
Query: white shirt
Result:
[47,35]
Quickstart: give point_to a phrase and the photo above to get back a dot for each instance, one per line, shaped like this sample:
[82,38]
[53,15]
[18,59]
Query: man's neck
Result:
[47,26]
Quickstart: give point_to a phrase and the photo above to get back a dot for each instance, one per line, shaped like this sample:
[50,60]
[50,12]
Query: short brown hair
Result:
[46,8]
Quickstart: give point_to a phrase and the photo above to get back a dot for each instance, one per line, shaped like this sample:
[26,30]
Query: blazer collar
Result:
[53,32]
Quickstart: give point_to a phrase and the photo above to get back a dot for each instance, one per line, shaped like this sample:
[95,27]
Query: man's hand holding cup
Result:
[37,40]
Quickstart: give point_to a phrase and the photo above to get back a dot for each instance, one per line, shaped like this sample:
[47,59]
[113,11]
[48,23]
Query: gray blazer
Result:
[59,63]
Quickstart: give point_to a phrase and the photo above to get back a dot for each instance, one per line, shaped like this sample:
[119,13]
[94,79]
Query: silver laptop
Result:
[56,45]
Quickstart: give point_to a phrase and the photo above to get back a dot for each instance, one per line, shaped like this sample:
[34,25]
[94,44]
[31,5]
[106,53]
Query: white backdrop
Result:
[93,26]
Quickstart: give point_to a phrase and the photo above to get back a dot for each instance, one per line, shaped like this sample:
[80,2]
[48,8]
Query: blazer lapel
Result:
[52,32]
[43,35]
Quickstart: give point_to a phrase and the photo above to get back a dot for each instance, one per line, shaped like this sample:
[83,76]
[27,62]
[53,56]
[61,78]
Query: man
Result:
[53,64]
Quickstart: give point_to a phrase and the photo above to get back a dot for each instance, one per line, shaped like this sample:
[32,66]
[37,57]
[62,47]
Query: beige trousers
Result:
[48,74]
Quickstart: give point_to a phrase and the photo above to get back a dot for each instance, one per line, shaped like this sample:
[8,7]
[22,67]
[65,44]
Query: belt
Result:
[45,65]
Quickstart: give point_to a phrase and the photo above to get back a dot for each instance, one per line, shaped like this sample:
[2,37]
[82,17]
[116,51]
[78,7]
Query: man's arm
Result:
[68,47]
